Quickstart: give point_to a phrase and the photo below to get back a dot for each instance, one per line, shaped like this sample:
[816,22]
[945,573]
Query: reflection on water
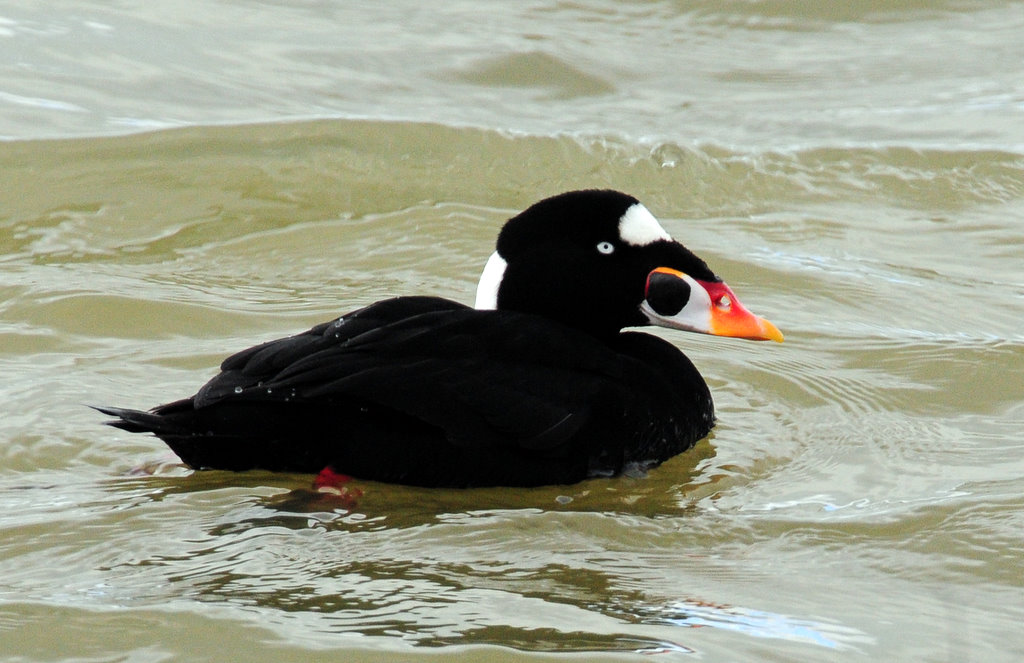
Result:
[760,624]
[433,578]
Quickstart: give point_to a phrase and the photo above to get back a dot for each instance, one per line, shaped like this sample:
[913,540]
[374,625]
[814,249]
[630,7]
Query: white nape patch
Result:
[490,281]
[639,227]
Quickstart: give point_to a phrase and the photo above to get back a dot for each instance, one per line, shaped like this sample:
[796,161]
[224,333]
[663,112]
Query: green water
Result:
[183,180]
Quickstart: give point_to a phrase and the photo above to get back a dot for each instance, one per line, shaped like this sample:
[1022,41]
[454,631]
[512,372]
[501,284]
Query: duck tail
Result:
[133,421]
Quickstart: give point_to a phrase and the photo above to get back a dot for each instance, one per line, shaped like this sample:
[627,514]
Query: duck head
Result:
[600,261]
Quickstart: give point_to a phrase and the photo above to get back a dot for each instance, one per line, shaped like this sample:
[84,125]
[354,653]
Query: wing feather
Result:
[484,377]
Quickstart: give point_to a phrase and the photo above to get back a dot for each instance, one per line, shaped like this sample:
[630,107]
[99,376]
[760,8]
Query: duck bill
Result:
[730,318]
[676,300]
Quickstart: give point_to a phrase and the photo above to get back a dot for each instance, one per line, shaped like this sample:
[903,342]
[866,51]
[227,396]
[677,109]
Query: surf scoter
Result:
[537,384]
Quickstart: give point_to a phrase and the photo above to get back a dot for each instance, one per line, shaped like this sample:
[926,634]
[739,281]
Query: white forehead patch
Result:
[490,281]
[639,227]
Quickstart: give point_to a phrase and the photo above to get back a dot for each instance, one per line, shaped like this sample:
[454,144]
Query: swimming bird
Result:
[537,384]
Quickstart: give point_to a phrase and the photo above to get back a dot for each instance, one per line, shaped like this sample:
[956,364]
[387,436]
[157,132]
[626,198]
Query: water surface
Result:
[183,180]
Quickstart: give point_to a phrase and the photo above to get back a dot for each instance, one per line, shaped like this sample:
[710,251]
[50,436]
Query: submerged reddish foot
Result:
[329,482]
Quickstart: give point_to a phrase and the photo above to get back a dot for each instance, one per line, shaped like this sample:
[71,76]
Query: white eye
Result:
[606,248]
